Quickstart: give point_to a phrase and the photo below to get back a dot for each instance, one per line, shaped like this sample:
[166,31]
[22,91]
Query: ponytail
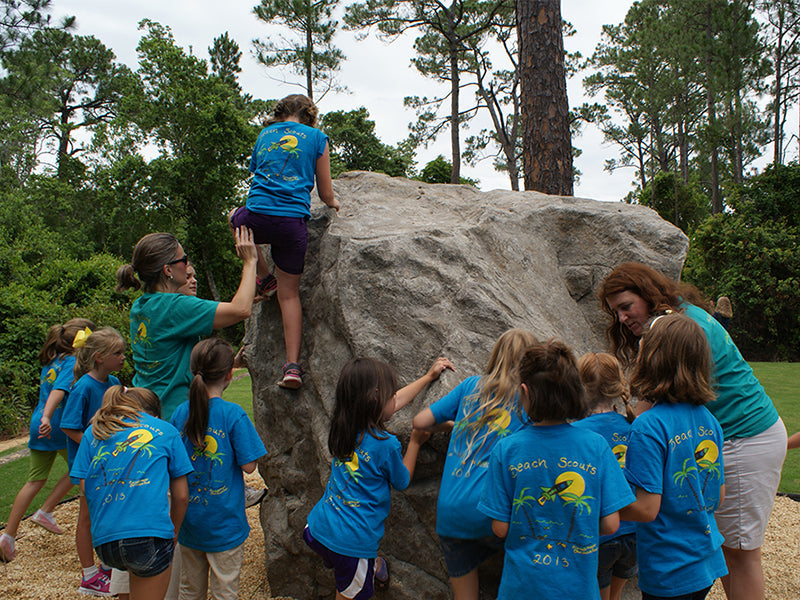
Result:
[126,279]
[211,361]
[60,337]
[120,410]
[146,268]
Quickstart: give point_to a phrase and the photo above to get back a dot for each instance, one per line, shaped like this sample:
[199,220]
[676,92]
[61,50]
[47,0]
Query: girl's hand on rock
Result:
[440,365]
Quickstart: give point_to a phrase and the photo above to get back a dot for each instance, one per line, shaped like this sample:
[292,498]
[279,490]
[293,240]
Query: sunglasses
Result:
[183,259]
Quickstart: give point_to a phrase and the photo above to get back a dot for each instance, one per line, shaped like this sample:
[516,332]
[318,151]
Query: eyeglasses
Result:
[183,259]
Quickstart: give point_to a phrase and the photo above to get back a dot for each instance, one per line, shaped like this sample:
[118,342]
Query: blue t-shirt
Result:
[614,428]
[84,399]
[676,450]
[55,376]
[127,478]
[215,520]
[164,329]
[467,462]
[552,484]
[742,407]
[283,165]
[349,518]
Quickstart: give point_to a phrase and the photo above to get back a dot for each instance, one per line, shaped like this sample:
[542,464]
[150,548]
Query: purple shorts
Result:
[286,236]
[354,576]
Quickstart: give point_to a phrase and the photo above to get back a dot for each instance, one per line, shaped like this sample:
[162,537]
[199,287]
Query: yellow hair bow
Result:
[80,338]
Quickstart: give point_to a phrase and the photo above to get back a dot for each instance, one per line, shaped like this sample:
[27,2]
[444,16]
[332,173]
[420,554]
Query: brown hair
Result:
[550,373]
[121,408]
[364,389]
[674,363]
[659,292]
[105,340]
[150,255]
[603,381]
[211,361]
[296,105]
[60,337]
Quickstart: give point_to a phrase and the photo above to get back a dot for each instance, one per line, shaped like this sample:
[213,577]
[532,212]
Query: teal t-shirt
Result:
[675,450]
[742,407]
[164,329]
[284,165]
[127,477]
[615,429]
[467,463]
[215,519]
[552,485]
[55,376]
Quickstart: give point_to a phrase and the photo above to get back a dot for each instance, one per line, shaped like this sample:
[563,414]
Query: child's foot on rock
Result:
[381,573]
[292,376]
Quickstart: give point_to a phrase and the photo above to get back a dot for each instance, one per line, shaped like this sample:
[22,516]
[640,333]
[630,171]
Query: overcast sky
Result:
[378,75]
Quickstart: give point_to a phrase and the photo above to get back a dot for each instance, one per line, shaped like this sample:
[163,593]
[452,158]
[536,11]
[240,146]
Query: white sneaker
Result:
[7,551]
[46,521]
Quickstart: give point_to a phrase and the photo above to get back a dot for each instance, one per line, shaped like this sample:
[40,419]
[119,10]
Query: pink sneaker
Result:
[96,586]
[46,521]
[7,550]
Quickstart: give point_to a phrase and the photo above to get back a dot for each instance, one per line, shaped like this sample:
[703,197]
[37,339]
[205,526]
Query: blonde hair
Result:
[603,380]
[121,408]
[60,337]
[295,105]
[106,340]
[674,363]
[498,387]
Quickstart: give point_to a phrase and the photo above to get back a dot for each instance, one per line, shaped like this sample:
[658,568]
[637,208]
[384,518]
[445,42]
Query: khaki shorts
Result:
[752,474]
[223,568]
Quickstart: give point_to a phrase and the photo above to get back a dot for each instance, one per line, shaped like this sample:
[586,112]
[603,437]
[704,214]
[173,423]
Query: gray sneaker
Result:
[253,496]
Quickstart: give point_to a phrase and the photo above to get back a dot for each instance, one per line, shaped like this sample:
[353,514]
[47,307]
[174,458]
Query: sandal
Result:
[381,584]
[292,376]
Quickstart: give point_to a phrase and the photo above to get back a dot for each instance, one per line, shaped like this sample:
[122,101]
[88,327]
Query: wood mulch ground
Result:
[47,568]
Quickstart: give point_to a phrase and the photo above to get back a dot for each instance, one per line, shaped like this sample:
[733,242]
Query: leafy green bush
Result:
[752,256]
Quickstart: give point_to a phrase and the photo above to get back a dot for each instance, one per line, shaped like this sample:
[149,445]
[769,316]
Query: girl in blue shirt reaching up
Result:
[484,409]
[675,461]
[605,385]
[553,488]
[98,355]
[222,444]
[127,462]
[290,156]
[346,526]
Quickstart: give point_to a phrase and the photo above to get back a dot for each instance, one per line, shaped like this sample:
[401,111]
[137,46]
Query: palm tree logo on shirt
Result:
[98,460]
[522,501]
[620,450]
[141,335]
[51,376]
[569,486]
[706,455]
[210,450]
[477,451]
[687,473]
[351,468]
[288,143]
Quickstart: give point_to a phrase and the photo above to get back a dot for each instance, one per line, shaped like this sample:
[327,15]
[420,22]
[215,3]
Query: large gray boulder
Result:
[407,272]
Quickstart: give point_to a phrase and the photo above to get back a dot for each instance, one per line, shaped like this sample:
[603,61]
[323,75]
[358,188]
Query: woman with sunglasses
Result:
[165,324]
[755,437]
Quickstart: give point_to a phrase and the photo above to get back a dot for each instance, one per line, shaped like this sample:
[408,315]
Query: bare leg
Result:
[466,586]
[745,578]
[83,535]
[615,591]
[149,588]
[62,487]
[21,503]
[291,312]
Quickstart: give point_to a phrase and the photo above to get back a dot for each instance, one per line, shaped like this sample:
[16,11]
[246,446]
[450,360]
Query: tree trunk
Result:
[455,129]
[777,155]
[309,53]
[547,146]
[716,201]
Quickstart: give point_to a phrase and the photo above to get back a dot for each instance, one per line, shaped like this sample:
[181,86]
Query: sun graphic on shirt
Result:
[51,376]
[352,466]
[706,451]
[619,453]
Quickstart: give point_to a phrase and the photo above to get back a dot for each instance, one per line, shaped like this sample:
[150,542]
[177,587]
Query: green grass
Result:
[241,392]
[14,475]
[780,381]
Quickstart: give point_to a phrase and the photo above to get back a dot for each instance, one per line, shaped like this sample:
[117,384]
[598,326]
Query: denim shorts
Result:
[287,237]
[464,556]
[141,556]
[617,557]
